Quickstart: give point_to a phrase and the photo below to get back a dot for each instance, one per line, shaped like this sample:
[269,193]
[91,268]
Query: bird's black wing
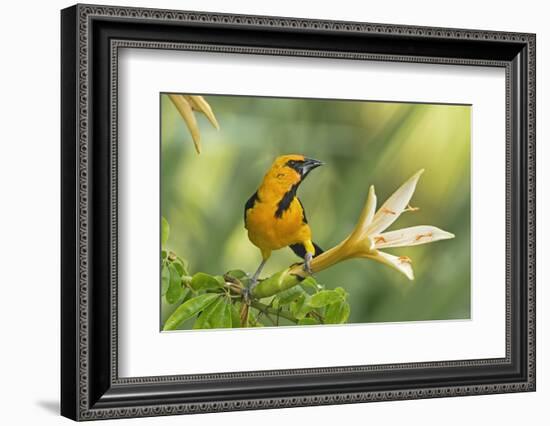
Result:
[249,204]
[300,250]
[304,218]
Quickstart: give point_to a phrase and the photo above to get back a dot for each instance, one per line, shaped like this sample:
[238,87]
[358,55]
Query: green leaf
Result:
[253,320]
[182,270]
[300,307]
[202,281]
[174,290]
[185,294]
[163,254]
[184,264]
[312,284]
[290,295]
[341,292]
[324,298]
[221,316]
[164,231]
[216,315]
[203,320]
[220,280]
[296,304]
[235,316]
[337,313]
[307,321]
[237,273]
[165,279]
[189,309]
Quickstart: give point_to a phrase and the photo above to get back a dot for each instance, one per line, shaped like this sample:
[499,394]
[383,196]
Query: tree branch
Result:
[268,310]
[234,285]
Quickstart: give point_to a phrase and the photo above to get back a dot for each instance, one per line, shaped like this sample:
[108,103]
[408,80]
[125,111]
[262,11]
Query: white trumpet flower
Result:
[368,237]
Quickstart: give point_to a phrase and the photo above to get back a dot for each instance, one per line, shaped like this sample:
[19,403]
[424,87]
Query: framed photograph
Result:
[263,212]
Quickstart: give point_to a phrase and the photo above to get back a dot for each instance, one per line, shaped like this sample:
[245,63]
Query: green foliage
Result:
[237,273]
[288,296]
[301,307]
[202,281]
[188,310]
[337,313]
[180,266]
[165,279]
[325,298]
[164,231]
[174,289]
[216,315]
[215,301]
[308,321]
[235,317]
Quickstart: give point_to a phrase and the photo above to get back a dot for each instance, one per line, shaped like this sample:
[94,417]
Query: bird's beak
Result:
[308,165]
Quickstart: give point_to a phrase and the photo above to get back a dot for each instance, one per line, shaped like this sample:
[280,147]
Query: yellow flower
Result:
[368,237]
[186,104]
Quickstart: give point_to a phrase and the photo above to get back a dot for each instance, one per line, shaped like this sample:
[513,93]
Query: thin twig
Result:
[267,310]
[234,285]
[318,316]
[270,319]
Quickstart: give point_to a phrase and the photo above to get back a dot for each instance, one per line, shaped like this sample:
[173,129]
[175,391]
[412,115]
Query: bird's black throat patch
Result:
[284,203]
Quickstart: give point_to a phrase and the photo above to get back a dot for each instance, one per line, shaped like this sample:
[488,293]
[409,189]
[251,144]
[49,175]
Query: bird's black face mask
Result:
[303,167]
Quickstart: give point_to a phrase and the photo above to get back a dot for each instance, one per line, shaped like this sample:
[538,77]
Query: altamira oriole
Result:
[274,216]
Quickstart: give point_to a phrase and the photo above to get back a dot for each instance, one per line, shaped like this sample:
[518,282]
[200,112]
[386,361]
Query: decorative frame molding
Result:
[91,37]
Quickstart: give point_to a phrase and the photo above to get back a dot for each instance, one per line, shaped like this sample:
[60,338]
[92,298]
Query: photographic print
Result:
[312,212]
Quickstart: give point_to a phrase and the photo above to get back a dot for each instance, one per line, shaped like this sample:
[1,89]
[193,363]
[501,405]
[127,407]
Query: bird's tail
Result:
[300,250]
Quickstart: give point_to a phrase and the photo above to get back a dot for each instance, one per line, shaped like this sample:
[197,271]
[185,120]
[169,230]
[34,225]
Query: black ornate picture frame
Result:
[91,38]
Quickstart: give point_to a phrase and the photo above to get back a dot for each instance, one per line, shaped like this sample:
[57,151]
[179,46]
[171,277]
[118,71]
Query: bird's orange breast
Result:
[268,231]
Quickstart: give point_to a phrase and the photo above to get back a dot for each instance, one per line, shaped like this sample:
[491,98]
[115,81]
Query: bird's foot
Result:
[246,294]
[307,263]
[247,291]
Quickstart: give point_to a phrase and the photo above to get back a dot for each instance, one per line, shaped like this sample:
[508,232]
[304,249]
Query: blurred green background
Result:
[361,143]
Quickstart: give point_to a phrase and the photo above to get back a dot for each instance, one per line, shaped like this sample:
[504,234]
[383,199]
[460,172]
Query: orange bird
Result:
[275,217]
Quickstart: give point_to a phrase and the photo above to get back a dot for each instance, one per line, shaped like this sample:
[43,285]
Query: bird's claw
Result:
[246,294]
[247,291]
